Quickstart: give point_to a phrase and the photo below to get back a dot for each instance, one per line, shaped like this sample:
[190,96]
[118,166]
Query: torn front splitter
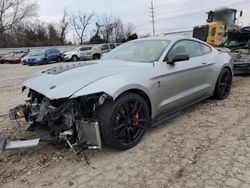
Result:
[18,144]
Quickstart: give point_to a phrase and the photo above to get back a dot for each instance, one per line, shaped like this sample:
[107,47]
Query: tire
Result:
[223,85]
[44,62]
[96,56]
[74,58]
[59,59]
[118,129]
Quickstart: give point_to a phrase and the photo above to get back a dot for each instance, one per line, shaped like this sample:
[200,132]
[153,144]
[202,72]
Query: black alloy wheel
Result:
[224,83]
[123,122]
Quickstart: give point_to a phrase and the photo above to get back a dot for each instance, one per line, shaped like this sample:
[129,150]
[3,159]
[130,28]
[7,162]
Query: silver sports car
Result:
[113,100]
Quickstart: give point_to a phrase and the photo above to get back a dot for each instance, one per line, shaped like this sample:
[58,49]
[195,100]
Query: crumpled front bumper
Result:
[66,58]
[55,123]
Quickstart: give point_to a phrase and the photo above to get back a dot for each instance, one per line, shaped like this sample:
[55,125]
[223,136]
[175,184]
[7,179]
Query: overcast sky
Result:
[171,15]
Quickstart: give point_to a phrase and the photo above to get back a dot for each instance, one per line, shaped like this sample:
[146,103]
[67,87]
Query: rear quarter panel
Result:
[222,60]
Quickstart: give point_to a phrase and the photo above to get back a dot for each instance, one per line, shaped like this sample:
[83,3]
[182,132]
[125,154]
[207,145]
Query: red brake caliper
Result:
[136,118]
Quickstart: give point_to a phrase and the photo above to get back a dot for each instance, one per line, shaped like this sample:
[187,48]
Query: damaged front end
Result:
[241,61]
[72,120]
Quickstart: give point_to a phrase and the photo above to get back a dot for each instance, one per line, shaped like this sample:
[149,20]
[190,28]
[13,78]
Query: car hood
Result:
[68,53]
[64,81]
[5,57]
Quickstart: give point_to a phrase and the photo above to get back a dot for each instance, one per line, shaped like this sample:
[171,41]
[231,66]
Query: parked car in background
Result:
[5,57]
[24,60]
[41,57]
[141,83]
[104,48]
[16,58]
[76,54]
[88,52]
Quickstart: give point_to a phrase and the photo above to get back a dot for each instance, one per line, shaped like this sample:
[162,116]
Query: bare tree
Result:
[112,29]
[118,30]
[64,23]
[106,27]
[80,23]
[129,29]
[13,12]
[53,35]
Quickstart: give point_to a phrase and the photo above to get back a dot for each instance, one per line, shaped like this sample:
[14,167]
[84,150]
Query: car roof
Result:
[51,49]
[171,37]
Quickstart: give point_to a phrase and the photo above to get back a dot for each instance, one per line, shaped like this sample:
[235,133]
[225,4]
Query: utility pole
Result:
[152,15]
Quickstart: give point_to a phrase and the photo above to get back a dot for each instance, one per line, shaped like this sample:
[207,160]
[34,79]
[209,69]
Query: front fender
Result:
[112,87]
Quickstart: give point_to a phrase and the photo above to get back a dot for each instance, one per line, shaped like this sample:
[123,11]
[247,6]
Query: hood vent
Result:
[64,68]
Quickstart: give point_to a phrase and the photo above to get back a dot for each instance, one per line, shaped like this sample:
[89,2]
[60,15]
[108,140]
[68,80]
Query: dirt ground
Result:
[208,145]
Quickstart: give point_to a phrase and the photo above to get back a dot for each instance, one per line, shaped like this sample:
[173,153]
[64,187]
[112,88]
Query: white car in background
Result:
[76,53]
[88,52]
[24,60]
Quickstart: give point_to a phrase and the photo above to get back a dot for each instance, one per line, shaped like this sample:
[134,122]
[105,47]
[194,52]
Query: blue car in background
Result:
[41,57]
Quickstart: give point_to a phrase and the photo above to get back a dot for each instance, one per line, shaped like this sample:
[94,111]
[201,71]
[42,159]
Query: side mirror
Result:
[179,57]
[241,13]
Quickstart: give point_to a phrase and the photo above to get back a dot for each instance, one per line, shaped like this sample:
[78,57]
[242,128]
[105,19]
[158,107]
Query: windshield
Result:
[19,55]
[37,52]
[139,51]
[8,54]
[74,49]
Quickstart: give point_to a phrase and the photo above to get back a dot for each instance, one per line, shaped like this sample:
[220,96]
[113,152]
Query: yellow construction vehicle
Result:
[219,22]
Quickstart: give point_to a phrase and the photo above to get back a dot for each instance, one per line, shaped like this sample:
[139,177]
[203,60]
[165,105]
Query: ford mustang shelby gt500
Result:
[139,84]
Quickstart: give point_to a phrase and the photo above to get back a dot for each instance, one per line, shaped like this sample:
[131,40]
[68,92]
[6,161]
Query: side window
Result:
[48,52]
[205,49]
[112,46]
[105,47]
[85,48]
[179,47]
[53,51]
[193,48]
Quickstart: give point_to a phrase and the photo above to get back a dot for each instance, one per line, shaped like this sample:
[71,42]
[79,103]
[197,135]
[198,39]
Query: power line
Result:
[165,12]
[187,5]
[152,15]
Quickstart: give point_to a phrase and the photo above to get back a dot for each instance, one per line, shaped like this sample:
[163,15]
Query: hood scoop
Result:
[64,68]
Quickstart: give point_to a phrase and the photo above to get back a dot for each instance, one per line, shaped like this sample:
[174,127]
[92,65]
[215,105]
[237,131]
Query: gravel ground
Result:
[208,145]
